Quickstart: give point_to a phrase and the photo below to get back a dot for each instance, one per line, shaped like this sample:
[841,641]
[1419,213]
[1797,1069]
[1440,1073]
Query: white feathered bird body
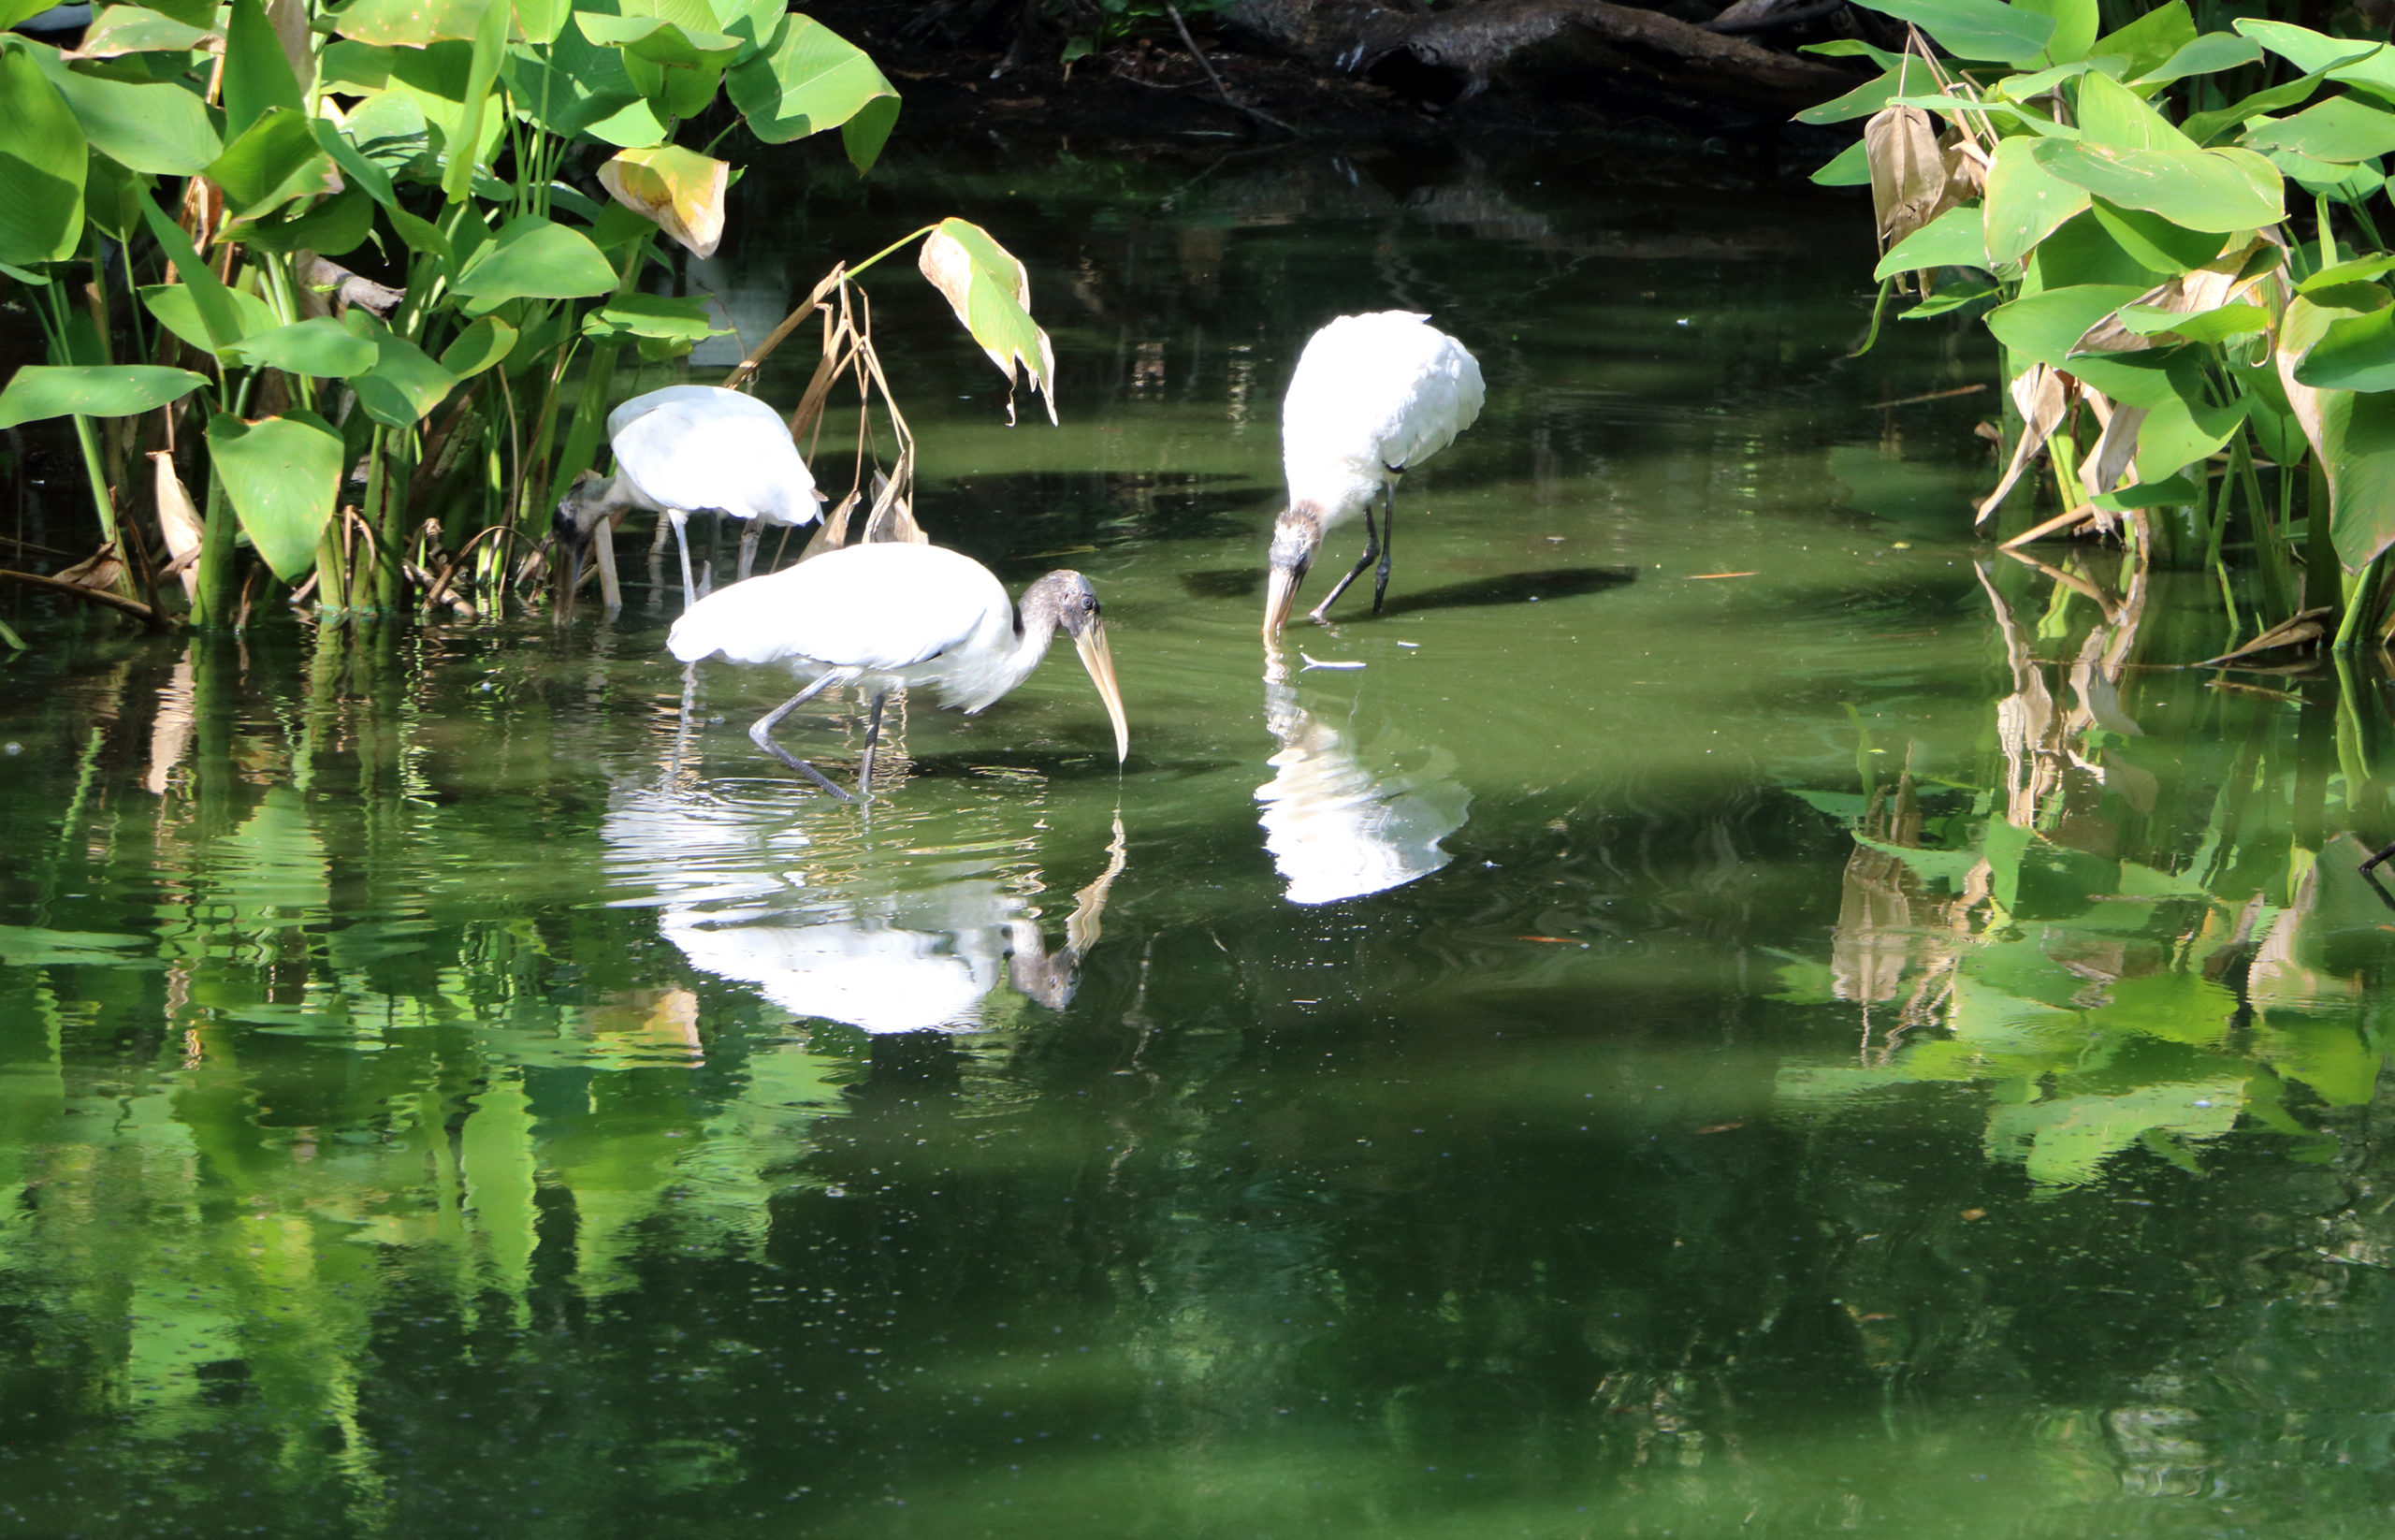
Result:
[689,449]
[1373,394]
[888,614]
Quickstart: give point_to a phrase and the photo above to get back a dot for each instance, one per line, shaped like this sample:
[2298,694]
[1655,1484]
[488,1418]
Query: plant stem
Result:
[2360,603]
[215,598]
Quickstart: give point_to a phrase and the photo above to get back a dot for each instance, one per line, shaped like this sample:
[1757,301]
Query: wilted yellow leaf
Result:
[679,189]
[991,292]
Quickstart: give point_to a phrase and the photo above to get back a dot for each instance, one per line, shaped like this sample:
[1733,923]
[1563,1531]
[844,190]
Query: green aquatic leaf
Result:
[2024,203]
[179,308]
[335,227]
[281,474]
[405,384]
[2209,54]
[2111,113]
[479,346]
[654,315]
[2223,190]
[1850,168]
[43,164]
[2154,241]
[1975,29]
[1954,240]
[534,258]
[36,391]
[2045,327]
[258,73]
[2146,43]
[1861,102]
[215,311]
[410,24]
[322,347]
[2075,26]
[276,160]
[162,129]
[2340,130]
[813,78]
[2357,353]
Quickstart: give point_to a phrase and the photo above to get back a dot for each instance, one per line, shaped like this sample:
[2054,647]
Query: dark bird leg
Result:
[762,734]
[2384,853]
[872,738]
[1389,537]
[1372,550]
[748,539]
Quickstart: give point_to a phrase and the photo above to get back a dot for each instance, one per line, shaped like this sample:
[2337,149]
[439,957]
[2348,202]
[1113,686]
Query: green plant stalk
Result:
[2361,602]
[598,384]
[378,482]
[2321,569]
[2269,548]
[215,602]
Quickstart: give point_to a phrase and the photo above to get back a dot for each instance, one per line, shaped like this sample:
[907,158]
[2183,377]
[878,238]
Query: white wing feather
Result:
[697,448]
[1372,392]
[881,608]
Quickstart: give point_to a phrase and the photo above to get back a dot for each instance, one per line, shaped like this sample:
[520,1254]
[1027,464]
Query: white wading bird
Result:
[887,615]
[1373,395]
[692,449]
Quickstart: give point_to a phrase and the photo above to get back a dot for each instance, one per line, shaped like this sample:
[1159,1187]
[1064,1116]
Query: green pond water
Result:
[1747,1014]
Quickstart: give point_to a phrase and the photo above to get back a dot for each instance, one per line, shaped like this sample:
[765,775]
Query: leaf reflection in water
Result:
[908,924]
[1336,828]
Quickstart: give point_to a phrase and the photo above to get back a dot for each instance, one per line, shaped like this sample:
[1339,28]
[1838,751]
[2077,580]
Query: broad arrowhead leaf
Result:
[991,293]
[2024,202]
[2206,55]
[43,164]
[2221,190]
[2075,26]
[181,309]
[404,384]
[2340,130]
[1861,102]
[2044,328]
[162,129]
[2356,352]
[534,258]
[680,190]
[2369,66]
[479,346]
[2111,113]
[137,29]
[813,78]
[410,24]
[281,476]
[1975,29]
[335,227]
[258,73]
[277,160]
[321,347]
[651,316]
[113,390]
[2145,43]
[1954,240]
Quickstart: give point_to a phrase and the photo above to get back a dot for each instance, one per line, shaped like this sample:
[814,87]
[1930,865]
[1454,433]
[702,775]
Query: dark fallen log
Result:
[1535,43]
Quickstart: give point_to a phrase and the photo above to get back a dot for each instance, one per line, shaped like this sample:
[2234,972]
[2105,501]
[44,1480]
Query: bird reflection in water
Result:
[909,926]
[1337,828]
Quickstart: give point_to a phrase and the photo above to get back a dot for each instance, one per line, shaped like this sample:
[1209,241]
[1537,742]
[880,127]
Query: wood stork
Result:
[1373,395]
[689,449]
[887,615]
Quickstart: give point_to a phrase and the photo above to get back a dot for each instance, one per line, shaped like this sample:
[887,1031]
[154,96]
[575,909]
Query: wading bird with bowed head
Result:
[1373,395]
[693,449]
[887,615]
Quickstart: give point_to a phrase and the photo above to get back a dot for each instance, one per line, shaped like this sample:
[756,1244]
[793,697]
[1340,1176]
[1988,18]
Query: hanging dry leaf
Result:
[98,571]
[1908,170]
[680,190]
[2109,459]
[2038,394]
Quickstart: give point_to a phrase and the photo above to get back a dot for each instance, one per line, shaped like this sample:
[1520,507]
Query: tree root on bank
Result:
[1538,40]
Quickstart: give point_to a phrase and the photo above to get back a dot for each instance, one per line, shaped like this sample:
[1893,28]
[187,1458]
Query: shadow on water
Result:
[1512,589]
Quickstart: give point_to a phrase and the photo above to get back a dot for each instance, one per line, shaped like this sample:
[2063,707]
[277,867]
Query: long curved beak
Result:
[572,579]
[1098,659]
[1280,597]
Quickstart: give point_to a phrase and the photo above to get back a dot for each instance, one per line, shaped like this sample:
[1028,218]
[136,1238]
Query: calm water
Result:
[1747,1014]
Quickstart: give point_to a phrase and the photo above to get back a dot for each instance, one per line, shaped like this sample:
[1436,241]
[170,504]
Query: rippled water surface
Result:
[1732,1010]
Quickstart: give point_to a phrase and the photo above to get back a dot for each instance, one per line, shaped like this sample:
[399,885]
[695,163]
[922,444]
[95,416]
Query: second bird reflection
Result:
[1345,815]
[905,929]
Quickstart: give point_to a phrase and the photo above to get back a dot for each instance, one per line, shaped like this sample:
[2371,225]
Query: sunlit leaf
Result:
[2111,113]
[276,160]
[1870,97]
[2357,353]
[335,227]
[1850,168]
[43,164]
[215,311]
[479,346]
[162,128]
[813,78]
[319,347]
[2210,326]
[651,316]
[535,258]
[2342,129]
[258,73]
[410,24]
[405,384]
[2145,43]
[1975,29]
[281,474]
[991,293]
[134,29]
[2221,190]
[679,189]
[1954,240]
[2075,26]
[113,390]
[2209,54]
[2024,202]
[2369,66]
[2155,242]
